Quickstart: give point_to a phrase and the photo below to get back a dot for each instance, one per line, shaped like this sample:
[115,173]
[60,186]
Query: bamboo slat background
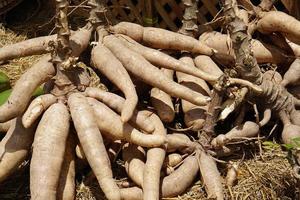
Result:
[170,12]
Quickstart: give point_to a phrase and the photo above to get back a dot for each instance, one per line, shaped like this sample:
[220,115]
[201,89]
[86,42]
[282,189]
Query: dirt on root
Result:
[266,176]
[16,67]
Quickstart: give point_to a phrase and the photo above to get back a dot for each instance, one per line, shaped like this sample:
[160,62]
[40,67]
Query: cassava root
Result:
[75,120]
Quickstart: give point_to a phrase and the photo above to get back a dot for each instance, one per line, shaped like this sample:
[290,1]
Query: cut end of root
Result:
[203,101]
[125,117]
[128,109]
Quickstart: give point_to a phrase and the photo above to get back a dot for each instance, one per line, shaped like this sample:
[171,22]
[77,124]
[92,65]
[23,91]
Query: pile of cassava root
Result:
[217,76]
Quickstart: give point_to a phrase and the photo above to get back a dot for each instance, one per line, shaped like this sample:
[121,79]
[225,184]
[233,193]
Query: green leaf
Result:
[4,82]
[4,86]
[296,141]
[39,91]
[270,145]
[4,96]
[3,78]
[288,146]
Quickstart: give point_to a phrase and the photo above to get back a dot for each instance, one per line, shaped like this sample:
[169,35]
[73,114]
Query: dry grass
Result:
[15,67]
[266,177]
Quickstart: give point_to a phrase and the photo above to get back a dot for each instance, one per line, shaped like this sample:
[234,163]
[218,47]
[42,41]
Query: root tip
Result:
[124,117]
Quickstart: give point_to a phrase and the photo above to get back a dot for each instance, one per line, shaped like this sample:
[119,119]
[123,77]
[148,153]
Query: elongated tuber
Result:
[160,38]
[106,117]
[117,103]
[14,147]
[112,68]
[210,176]
[162,102]
[134,157]
[49,142]
[194,116]
[154,163]
[36,107]
[133,62]
[90,137]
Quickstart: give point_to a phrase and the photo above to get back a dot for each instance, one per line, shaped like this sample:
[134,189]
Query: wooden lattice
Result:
[169,12]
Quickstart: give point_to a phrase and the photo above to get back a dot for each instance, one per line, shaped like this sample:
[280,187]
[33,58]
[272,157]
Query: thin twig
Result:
[250,171]
[181,129]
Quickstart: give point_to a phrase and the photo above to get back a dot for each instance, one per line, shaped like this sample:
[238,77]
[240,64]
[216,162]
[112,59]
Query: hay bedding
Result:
[265,176]
[270,178]
[267,179]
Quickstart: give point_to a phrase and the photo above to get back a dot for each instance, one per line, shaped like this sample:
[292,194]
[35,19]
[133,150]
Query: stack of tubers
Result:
[211,78]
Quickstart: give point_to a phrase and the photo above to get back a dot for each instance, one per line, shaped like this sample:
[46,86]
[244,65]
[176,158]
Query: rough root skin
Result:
[75,120]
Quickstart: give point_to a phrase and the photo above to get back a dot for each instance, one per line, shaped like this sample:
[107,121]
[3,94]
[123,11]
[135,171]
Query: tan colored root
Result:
[14,147]
[79,41]
[122,131]
[206,64]
[276,21]
[90,137]
[132,193]
[180,142]
[17,102]
[29,47]
[295,48]
[40,45]
[163,60]
[232,174]
[117,103]
[295,117]
[202,86]
[273,76]
[5,126]
[162,102]
[290,131]
[134,157]
[66,186]
[161,39]
[292,75]
[173,159]
[48,152]
[210,176]
[248,129]
[262,52]
[169,170]
[194,116]
[103,59]
[154,163]
[266,117]
[174,184]
[178,181]
[79,152]
[36,108]
[39,73]
[244,15]
[141,68]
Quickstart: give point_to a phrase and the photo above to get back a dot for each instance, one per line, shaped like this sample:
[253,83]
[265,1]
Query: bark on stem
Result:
[62,51]
[189,21]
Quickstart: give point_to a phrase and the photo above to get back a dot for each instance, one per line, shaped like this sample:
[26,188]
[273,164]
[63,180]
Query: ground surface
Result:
[265,174]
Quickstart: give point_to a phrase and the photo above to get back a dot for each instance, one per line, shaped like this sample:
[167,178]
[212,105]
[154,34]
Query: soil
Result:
[264,173]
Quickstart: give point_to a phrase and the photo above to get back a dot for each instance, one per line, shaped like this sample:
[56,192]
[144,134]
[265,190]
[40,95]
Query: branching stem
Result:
[61,55]
[189,21]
